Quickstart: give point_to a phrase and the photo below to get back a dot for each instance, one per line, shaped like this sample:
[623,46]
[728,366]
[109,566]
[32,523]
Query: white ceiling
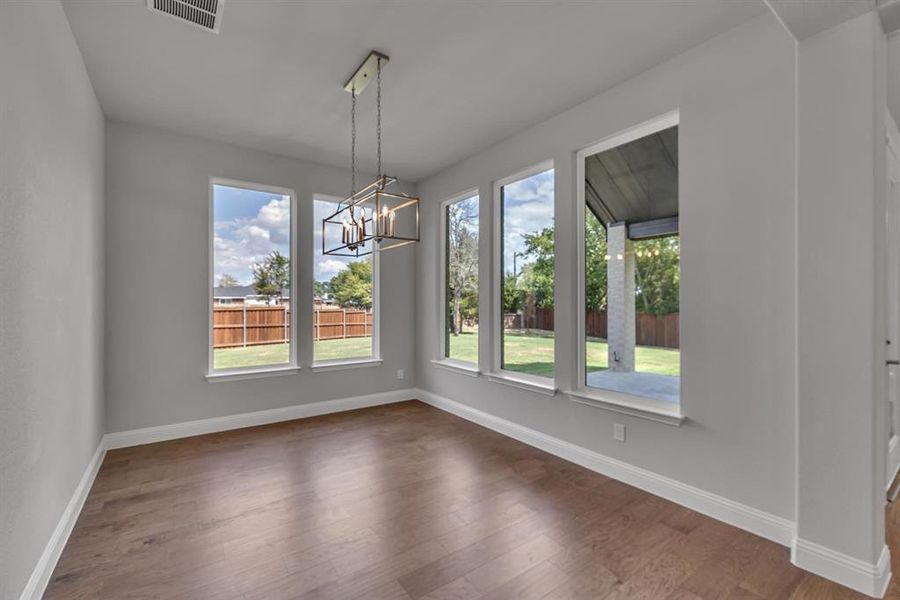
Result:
[805,18]
[462,76]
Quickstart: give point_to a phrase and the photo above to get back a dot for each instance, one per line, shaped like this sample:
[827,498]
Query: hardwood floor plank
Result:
[498,571]
[400,502]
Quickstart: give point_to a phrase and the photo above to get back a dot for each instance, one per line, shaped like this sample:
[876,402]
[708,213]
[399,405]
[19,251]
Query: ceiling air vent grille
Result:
[205,14]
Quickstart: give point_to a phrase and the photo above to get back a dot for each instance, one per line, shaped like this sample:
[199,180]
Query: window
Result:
[344,297]
[630,275]
[251,291]
[460,335]
[527,273]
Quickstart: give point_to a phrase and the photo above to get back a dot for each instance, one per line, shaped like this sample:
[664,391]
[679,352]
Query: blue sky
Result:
[248,225]
[326,267]
[527,208]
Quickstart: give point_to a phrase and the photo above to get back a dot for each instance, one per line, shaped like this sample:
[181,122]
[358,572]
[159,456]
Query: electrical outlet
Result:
[400,374]
[619,432]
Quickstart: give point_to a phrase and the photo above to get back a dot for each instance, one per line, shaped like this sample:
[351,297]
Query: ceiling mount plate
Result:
[365,72]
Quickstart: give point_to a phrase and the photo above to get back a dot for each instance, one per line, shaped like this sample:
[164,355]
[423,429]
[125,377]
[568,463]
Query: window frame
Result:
[441,353]
[292,366]
[622,402]
[535,383]
[336,364]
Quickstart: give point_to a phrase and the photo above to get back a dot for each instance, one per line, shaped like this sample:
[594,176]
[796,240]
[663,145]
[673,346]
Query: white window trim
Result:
[258,373]
[524,381]
[457,366]
[441,356]
[629,404]
[545,385]
[342,364]
[292,365]
[361,361]
[622,402]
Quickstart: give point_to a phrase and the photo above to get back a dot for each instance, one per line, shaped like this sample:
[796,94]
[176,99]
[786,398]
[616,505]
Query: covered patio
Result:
[632,189]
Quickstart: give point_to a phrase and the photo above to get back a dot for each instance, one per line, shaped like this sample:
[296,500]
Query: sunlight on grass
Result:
[251,356]
[528,353]
[349,348]
[278,354]
[525,353]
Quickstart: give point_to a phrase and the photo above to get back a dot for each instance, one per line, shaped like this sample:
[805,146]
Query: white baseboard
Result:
[761,523]
[866,578]
[149,435]
[858,575]
[40,575]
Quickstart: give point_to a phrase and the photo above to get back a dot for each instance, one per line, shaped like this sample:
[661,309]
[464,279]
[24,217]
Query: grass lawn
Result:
[277,354]
[524,353]
[528,353]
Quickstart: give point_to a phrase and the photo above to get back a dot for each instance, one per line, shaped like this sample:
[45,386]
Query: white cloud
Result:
[528,208]
[275,217]
[241,243]
[328,268]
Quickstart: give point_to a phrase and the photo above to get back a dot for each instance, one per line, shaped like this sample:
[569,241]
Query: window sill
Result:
[635,406]
[456,366]
[532,385]
[340,365]
[222,376]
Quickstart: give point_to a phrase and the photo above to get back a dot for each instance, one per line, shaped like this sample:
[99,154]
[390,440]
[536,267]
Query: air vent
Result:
[206,14]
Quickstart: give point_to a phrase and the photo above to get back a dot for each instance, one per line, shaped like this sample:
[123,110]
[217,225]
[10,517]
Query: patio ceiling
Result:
[636,182]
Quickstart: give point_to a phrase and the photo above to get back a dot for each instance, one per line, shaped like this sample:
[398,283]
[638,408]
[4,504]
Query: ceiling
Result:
[462,76]
[635,182]
[804,18]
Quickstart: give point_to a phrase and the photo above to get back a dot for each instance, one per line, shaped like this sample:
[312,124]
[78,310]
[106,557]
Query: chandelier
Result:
[371,218]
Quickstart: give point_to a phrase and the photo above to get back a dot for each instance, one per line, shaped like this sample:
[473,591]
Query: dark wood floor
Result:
[392,503]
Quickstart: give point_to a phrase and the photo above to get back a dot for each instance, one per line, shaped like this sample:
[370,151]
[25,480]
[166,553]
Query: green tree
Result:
[462,258]
[657,272]
[513,297]
[352,287]
[537,274]
[227,280]
[272,275]
[320,289]
[468,307]
[595,249]
[657,275]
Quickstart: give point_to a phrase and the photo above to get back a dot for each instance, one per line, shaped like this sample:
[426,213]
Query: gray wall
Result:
[51,269]
[893,74]
[842,400]
[157,221]
[736,95]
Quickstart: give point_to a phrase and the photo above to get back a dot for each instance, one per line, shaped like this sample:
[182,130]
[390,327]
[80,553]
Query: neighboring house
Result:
[323,301]
[246,294]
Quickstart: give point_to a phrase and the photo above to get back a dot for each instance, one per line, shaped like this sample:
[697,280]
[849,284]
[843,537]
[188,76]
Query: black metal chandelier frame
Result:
[368,219]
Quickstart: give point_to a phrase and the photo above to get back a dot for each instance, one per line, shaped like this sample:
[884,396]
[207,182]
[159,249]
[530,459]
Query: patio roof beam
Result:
[654,228]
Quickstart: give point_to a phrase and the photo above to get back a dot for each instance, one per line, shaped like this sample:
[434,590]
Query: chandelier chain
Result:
[353,142]
[378,118]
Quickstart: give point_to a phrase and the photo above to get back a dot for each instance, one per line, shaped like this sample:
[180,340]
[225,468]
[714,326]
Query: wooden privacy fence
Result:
[650,330]
[338,323]
[243,325]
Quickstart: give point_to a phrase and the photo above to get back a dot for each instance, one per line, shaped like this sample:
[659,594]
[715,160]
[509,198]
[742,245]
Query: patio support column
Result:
[620,299]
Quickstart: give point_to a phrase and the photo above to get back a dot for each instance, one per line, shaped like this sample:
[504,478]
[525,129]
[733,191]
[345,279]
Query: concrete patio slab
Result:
[647,385]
